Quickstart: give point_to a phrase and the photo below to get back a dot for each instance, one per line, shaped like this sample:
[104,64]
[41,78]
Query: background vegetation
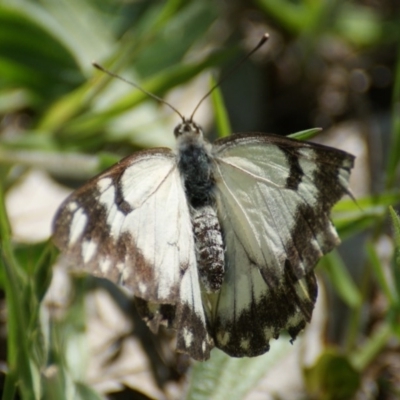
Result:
[333,64]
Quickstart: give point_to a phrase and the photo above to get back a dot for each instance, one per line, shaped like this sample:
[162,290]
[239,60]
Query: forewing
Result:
[131,224]
[274,197]
[278,194]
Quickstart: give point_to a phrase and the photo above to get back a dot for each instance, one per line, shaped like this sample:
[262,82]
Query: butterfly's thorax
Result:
[195,165]
[196,168]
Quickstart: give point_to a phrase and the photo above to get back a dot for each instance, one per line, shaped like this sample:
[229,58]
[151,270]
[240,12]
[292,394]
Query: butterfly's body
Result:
[218,241]
[195,166]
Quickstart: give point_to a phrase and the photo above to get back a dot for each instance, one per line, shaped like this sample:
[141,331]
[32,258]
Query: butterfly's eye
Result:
[178,130]
[196,129]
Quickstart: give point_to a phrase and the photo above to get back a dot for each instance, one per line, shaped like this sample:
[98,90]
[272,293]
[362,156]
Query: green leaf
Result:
[380,275]
[189,24]
[396,263]
[394,148]
[396,230]
[368,204]
[21,367]
[372,346]
[223,377]
[291,15]
[221,115]
[341,279]
[32,57]
[352,217]
[305,135]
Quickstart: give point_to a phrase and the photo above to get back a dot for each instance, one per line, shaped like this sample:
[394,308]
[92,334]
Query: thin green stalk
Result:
[221,116]
[379,273]
[394,155]
[17,346]
[371,348]
[355,315]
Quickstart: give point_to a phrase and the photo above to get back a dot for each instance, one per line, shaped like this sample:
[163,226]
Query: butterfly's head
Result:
[188,130]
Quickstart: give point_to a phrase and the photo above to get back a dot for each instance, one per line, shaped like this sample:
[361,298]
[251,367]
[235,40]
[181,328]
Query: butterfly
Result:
[218,241]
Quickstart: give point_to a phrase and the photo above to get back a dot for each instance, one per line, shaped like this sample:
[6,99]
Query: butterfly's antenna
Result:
[234,68]
[98,66]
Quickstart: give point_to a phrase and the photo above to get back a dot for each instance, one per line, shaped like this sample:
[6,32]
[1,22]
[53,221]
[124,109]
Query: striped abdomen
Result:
[209,247]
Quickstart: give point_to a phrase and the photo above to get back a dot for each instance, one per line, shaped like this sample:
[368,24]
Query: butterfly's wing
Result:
[274,197]
[131,224]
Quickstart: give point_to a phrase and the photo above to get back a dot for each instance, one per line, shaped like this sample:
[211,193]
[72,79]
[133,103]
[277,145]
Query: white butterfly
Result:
[216,241]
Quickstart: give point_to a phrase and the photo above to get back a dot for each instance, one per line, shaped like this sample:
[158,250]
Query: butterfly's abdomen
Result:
[209,247]
[195,166]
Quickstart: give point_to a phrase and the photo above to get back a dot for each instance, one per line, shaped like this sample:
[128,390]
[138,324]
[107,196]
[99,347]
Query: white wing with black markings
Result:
[131,224]
[273,198]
